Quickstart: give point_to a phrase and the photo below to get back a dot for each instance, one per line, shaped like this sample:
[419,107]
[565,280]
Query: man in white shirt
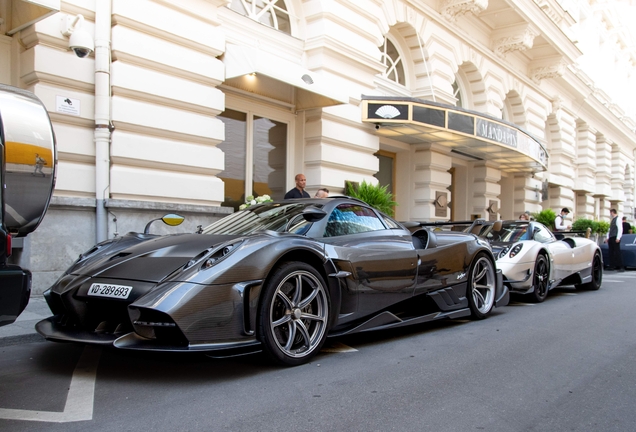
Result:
[559,221]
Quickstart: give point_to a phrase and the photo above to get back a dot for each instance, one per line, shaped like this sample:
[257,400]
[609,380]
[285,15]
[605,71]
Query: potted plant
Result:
[373,194]
[583,225]
[546,217]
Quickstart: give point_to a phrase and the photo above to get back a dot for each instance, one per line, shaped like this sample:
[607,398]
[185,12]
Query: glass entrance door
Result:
[255,149]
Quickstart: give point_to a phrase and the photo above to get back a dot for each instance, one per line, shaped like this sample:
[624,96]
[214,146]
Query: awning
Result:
[470,134]
[312,89]
[23,13]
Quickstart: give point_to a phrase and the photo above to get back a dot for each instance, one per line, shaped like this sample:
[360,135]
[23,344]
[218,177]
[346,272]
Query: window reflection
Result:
[270,151]
[234,149]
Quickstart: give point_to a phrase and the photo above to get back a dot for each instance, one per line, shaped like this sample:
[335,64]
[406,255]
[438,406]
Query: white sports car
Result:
[534,261]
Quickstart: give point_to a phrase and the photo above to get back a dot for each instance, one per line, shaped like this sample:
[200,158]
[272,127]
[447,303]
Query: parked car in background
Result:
[27,178]
[628,251]
[277,276]
[533,261]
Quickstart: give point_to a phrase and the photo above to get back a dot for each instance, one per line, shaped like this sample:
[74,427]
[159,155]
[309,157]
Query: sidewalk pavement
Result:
[23,329]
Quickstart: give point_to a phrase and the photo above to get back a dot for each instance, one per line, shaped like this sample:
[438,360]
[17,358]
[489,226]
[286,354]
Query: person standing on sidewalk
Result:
[614,242]
[298,191]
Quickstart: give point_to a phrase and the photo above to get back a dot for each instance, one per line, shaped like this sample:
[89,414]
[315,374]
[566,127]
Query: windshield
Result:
[270,216]
[510,232]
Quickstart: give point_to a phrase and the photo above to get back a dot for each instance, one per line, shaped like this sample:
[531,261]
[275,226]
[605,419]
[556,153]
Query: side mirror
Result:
[171,219]
[313,214]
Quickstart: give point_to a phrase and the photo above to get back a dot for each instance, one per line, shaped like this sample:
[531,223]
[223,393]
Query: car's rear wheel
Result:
[597,275]
[294,314]
[482,284]
[540,279]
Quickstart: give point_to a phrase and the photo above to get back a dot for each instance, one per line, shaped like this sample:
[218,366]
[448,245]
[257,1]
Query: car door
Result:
[561,252]
[382,261]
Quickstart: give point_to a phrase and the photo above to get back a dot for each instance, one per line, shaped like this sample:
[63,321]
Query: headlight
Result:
[503,252]
[211,256]
[219,254]
[516,249]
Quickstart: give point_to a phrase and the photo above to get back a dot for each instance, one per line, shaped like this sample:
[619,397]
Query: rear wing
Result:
[474,227]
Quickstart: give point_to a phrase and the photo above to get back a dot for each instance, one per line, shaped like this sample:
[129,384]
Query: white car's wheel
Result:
[540,279]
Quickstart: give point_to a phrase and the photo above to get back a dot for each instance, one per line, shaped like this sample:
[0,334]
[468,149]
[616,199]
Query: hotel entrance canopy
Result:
[474,135]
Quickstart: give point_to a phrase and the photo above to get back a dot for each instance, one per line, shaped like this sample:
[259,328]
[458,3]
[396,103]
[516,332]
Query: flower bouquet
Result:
[250,201]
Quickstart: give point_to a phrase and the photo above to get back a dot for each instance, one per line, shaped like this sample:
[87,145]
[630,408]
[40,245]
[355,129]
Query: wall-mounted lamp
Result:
[441,200]
[80,41]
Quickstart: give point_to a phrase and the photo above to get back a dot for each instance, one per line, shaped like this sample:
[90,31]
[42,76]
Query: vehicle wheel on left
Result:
[294,314]
[482,284]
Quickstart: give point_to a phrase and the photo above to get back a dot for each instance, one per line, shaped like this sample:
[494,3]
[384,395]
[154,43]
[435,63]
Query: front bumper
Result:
[502,294]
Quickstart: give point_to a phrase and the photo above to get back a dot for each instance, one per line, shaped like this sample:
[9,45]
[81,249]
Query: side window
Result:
[543,235]
[391,223]
[352,219]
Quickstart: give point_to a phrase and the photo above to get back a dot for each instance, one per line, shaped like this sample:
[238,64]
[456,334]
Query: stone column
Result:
[486,190]
[527,194]
[585,177]
[603,167]
[619,162]
[430,177]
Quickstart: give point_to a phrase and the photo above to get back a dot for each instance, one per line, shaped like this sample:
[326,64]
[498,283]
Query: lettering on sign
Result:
[497,132]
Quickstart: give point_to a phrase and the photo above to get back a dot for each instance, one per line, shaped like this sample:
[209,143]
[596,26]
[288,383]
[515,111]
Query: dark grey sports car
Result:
[278,276]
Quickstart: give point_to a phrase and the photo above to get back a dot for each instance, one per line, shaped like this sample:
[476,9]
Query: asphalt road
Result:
[564,365]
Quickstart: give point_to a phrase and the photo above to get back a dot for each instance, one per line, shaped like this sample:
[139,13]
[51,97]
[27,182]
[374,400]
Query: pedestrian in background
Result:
[299,190]
[627,228]
[614,242]
[559,221]
[322,193]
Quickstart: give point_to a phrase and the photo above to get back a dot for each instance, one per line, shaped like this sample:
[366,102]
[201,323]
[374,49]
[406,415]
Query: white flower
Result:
[242,206]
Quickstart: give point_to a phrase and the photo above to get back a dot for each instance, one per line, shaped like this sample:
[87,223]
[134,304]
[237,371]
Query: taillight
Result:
[9,246]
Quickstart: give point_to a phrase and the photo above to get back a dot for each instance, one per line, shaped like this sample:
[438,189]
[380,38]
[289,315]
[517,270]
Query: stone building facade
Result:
[189,106]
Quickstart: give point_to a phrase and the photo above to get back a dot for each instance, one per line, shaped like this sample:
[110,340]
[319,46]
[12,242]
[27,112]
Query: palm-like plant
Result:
[373,194]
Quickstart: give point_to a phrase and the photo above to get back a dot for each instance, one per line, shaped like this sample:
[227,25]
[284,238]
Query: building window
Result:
[457,94]
[392,59]
[255,151]
[272,13]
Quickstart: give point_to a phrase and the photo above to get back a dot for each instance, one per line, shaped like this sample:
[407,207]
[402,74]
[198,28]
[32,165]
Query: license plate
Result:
[108,290]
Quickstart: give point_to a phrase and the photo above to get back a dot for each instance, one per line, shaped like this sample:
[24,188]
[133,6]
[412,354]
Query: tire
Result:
[540,279]
[482,284]
[597,275]
[293,314]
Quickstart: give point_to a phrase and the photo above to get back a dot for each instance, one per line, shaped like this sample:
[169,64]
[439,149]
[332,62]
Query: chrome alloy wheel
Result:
[298,314]
[483,285]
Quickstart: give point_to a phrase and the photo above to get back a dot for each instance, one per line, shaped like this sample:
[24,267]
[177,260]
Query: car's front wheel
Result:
[294,314]
[597,275]
[482,284]
[540,279]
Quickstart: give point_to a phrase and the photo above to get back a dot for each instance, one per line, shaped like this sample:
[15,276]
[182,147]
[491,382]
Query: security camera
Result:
[80,41]
[377,126]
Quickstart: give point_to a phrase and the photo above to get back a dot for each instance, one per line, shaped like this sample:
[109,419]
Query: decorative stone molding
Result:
[452,9]
[519,42]
[551,71]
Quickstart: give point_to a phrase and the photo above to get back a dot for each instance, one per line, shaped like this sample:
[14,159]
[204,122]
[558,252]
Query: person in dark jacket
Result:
[627,228]
[299,190]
